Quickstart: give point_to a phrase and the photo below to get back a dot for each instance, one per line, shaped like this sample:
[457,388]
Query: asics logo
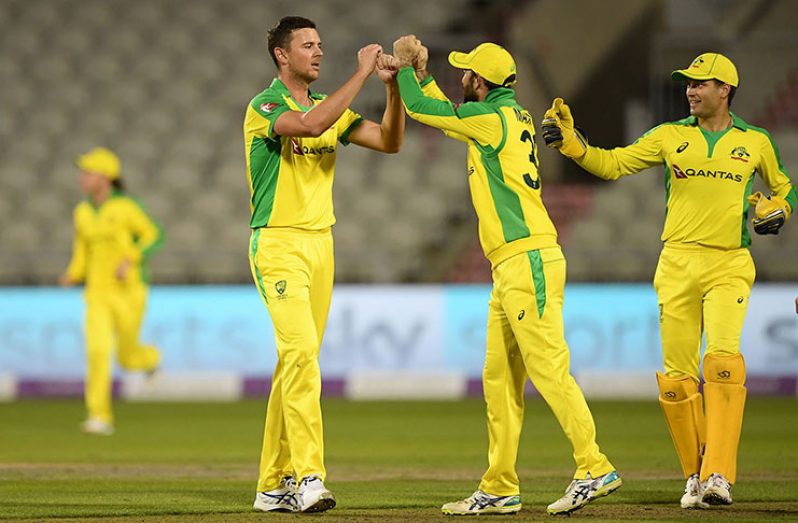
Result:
[724,374]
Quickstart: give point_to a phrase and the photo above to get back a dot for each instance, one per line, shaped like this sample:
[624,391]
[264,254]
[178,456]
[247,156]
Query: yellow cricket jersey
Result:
[118,229]
[290,179]
[502,163]
[707,177]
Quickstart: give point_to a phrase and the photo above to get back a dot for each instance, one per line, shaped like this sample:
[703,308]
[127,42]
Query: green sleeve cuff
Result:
[792,198]
[344,138]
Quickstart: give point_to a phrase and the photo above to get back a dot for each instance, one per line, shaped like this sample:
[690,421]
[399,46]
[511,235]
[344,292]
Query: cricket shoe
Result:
[281,499]
[313,496]
[582,491]
[483,503]
[97,427]
[693,493]
[717,490]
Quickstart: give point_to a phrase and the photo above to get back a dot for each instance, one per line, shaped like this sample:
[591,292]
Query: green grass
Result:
[386,461]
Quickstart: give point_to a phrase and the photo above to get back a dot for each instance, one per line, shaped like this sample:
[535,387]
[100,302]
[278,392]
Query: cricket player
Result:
[114,237]
[525,326]
[291,137]
[705,272]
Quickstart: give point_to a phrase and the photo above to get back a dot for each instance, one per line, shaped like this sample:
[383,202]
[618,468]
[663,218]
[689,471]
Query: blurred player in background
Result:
[114,237]
[290,157]
[705,271]
[525,325]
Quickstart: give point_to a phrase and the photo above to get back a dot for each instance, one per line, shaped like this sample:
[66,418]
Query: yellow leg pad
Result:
[684,413]
[724,394]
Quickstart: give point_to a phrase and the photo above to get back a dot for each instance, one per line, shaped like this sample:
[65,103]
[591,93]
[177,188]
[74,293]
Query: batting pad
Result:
[724,395]
[684,413]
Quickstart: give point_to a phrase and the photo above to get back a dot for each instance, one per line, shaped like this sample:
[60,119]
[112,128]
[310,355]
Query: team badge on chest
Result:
[740,154]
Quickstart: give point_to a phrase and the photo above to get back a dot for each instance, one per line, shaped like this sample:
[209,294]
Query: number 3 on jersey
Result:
[526,136]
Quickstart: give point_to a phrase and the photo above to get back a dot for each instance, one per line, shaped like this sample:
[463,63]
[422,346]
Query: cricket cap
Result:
[490,61]
[101,161]
[709,66]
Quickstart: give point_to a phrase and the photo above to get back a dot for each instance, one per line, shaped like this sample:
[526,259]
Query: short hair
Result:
[732,89]
[280,34]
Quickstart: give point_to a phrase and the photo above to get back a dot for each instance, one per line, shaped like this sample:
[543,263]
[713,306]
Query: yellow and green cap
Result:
[490,61]
[709,66]
[101,161]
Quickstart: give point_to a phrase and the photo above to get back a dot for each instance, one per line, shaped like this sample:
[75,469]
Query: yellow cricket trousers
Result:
[113,319]
[525,339]
[293,270]
[701,289]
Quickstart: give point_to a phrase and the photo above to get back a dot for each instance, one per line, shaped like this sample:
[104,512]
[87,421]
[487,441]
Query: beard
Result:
[470,97]
[470,94]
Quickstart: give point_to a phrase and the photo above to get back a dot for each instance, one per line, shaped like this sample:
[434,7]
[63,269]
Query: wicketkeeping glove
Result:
[559,132]
[770,213]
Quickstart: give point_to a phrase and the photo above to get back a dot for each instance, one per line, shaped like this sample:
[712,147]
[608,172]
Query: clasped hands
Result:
[407,51]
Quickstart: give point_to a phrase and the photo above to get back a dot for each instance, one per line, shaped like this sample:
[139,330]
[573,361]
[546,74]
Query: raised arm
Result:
[559,133]
[386,136]
[321,117]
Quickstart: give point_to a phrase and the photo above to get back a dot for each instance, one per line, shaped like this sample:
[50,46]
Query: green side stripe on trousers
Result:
[253,251]
[539,278]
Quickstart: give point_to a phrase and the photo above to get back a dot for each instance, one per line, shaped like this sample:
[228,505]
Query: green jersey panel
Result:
[502,163]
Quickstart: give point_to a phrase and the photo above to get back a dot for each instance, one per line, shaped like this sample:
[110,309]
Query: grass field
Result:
[387,461]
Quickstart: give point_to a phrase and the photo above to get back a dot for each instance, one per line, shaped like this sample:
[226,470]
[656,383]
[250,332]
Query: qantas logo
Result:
[268,107]
[302,150]
[690,172]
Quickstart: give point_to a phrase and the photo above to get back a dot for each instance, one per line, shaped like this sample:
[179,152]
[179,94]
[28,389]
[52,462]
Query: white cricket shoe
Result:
[281,499]
[483,503]
[717,490]
[582,491]
[313,496]
[693,493]
[97,426]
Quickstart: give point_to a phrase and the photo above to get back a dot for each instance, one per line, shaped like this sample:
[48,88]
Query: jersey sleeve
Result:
[264,111]
[773,172]
[346,124]
[431,89]
[645,152]
[76,270]
[472,120]
[147,232]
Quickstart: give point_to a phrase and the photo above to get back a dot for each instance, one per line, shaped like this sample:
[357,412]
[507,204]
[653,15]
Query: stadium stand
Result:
[165,83]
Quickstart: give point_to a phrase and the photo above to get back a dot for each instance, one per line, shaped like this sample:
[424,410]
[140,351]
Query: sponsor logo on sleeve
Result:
[268,107]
